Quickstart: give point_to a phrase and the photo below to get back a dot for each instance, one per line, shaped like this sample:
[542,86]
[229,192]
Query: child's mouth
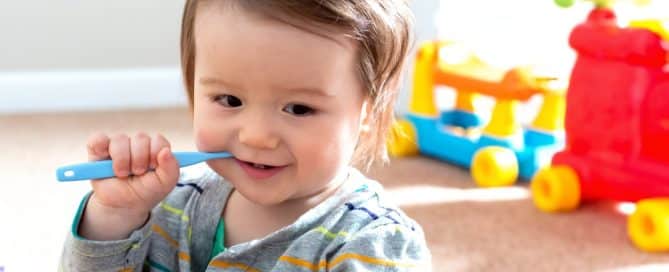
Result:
[257,170]
[260,166]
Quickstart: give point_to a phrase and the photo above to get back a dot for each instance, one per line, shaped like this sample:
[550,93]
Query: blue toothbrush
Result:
[103,169]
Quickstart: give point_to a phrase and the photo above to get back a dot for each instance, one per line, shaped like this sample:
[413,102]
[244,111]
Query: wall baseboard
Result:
[109,89]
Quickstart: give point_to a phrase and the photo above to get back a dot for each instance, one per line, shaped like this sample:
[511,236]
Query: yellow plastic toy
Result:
[497,151]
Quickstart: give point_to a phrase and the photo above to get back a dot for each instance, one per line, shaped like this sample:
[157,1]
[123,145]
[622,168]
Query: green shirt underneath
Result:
[219,240]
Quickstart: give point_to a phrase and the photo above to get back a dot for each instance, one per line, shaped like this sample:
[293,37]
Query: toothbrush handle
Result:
[103,169]
[190,158]
[84,171]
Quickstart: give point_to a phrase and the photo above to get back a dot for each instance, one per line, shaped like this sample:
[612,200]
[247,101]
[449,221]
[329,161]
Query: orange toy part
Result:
[513,84]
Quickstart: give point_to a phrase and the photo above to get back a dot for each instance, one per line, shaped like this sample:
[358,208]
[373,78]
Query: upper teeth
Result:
[261,166]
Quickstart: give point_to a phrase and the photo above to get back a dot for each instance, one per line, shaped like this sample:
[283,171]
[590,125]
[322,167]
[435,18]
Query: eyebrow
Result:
[312,91]
[215,81]
[302,90]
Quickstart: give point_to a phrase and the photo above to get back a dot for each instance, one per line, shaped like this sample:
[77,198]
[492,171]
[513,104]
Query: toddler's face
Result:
[285,101]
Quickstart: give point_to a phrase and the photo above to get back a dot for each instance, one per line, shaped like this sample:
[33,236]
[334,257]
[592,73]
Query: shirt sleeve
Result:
[80,254]
[390,247]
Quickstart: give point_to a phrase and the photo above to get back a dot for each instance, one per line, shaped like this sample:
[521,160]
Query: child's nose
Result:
[258,136]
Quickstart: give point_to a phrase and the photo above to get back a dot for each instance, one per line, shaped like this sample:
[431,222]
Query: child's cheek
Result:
[208,140]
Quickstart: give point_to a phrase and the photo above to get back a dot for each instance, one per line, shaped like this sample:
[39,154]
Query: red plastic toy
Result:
[617,127]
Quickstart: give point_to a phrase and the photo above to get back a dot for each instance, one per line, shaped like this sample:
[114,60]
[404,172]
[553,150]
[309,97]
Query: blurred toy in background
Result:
[598,3]
[659,26]
[617,127]
[497,151]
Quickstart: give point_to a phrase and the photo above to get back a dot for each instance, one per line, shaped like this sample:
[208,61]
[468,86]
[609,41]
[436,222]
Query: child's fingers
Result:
[140,149]
[119,151]
[157,143]
[98,147]
[167,170]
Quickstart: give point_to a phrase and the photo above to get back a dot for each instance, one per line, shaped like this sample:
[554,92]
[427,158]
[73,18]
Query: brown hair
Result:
[383,29]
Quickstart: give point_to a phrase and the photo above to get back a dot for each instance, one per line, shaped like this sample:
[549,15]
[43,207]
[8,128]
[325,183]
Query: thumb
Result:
[167,168]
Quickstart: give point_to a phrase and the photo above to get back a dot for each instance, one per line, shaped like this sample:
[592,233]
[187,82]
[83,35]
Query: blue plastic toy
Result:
[497,151]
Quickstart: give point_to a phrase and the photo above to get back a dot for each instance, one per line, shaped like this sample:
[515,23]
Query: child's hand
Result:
[120,205]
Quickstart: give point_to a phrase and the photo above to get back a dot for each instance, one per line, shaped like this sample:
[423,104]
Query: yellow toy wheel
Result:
[556,189]
[494,166]
[648,226]
[402,140]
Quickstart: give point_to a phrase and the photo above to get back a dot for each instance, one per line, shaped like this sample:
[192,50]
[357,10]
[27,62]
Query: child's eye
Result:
[228,101]
[299,110]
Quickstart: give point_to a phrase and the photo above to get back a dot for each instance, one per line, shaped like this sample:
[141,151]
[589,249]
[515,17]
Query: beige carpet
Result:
[468,229]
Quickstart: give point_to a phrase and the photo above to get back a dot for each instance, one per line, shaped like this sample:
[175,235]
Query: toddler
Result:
[298,91]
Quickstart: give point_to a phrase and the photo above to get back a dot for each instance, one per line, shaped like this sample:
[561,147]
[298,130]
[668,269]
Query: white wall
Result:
[65,55]
[88,34]
[513,33]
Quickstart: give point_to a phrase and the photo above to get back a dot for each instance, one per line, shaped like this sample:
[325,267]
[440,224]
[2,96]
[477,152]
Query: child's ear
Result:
[365,116]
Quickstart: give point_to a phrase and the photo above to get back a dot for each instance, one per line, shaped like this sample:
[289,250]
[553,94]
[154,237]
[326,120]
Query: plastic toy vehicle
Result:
[617,128]
[497,151]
